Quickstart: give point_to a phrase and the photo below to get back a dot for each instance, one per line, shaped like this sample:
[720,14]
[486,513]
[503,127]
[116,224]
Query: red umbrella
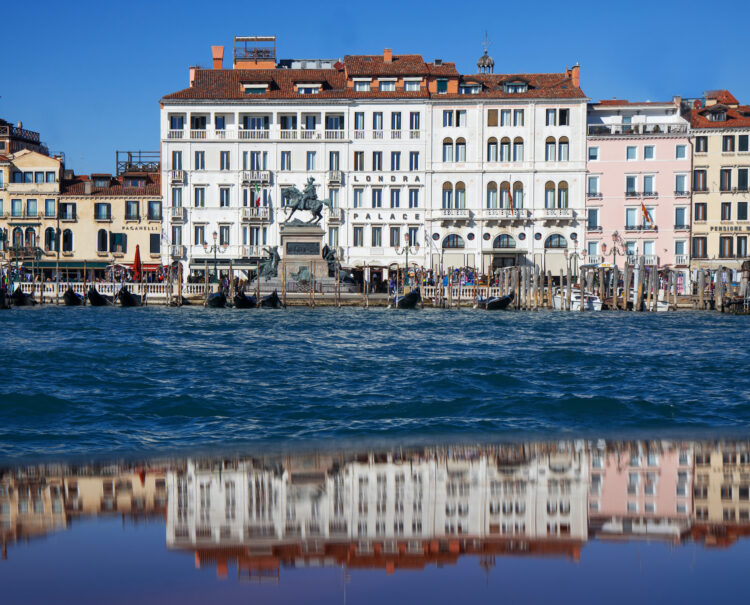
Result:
[137,264]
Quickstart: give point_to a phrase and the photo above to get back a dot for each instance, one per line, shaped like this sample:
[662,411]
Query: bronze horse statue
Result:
[305,200]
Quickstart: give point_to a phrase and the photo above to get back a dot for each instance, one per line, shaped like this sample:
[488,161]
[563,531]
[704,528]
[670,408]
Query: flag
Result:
[646,215]
[256,195]
[510,198]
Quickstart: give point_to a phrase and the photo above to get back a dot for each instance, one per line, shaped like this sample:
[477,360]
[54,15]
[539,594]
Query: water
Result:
[98,381]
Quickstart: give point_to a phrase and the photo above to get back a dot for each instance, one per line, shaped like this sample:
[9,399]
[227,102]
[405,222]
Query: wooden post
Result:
[549,289]
[283,283]
[701,288]
[257,281]
[179,284]
[205,280]
[516,290]
[312,284]
[615,283]
[231,281]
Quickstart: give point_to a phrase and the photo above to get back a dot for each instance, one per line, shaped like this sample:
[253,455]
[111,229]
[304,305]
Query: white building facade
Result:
[478,171]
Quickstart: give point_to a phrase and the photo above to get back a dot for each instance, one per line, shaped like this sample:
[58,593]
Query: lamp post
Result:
[215,248]
[405,250]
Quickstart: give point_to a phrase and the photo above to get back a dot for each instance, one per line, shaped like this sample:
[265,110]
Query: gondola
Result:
[72,299]
[272,301]
[242,301]
[128,299]
[19,299]
[496,303]
[217,300]
[4,300]
[410,300]
[98,300]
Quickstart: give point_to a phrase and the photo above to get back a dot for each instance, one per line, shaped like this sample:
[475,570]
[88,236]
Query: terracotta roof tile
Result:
[722,96]
[77,186]
[375,65]
[736,117]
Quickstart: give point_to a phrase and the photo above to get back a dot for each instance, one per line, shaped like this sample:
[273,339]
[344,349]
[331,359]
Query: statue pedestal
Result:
[302,246]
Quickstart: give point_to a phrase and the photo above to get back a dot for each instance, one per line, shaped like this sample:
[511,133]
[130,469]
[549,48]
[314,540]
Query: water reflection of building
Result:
[721,494]
[640,489]
[389,511]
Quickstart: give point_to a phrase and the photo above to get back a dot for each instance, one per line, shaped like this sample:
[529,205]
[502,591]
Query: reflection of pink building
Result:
[639,156]
[641,489]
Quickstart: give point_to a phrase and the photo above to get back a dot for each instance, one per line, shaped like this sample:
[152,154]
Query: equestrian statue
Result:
[307,199]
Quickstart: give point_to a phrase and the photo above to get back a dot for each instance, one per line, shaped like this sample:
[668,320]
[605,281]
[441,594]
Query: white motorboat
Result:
[590,300]
[661,305]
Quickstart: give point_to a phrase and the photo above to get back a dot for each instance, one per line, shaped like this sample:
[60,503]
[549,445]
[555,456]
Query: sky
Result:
[89,75]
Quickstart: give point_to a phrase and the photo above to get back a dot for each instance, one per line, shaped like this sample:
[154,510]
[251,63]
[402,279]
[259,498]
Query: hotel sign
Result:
[391,216]
[141,228]
[409,179]
[733,228]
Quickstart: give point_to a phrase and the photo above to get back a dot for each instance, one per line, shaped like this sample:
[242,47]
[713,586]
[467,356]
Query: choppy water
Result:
[88,380]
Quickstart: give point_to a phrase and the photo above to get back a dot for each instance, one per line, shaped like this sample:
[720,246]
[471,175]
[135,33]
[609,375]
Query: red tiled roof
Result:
[77,186]
[540,86]
[625,102]
[375,65]
[722,96]
[738,117]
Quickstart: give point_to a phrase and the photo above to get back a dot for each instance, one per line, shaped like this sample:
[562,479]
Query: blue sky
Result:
[88,75]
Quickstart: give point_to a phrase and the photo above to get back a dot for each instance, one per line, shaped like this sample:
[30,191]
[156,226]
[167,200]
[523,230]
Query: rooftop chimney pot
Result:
[217,52]
[388,55]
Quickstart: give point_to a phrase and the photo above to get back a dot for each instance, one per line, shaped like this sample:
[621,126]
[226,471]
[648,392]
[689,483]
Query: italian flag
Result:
[256,195]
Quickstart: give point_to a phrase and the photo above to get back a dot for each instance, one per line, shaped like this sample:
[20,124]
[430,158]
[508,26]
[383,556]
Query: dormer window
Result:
[388,85]
[515,87]
[718,116]
[469,89]
[101,182]
[308,89]
[412,84]
[135,183]
[362,85]
[255,89]
[442,85]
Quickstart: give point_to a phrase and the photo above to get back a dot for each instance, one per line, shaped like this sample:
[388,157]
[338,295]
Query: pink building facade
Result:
[639,157]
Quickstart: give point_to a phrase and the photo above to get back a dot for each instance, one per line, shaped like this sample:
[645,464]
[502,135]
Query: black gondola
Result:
[128,299]
[242,301]
[496,303]
[410,300]
[4,300]
[72,299]
[19,299]
[272,301]
[217,300]
[98,300]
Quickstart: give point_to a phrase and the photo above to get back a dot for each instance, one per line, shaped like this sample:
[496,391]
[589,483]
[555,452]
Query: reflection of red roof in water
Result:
[719,535]
[430,552]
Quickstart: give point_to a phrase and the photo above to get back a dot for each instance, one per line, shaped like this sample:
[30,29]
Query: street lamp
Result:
[405,250]
[215,248]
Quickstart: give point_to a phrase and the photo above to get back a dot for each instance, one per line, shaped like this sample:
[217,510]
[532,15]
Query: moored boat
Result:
[19,299]
[591,301]
[72,299]
[98,300]
[216,300]
[128,299]
[4,300]
[410,300]
[242,301]
[496,303]
[272,301]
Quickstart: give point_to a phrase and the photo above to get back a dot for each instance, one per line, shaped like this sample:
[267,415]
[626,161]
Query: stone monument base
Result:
[302,251]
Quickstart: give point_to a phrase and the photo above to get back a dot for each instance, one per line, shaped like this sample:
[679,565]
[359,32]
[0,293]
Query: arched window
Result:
[67,241]
[549,194]
[101,240]
[50,240]
[518,149]
[460,150]
[454,241]
[505,150]
[563,149]
[492,194]
[518,194]
[448,150]
[460,191]
[18,237]
[562,195]
[505,194]
[555,241]
[447,195]
[30,237]
[504,241]
[492,150]
[549,149]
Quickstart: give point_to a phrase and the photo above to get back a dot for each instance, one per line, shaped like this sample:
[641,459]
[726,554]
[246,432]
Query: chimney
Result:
[217,52]
[388,55]
[20,125]
[575,75]
[87,187]
[192,76]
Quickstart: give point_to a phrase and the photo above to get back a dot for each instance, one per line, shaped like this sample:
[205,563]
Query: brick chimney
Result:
[87,187]
[388,55]
[217,52]
[575,75]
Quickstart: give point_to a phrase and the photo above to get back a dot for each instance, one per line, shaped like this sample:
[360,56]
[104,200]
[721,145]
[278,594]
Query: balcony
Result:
[335,215]
[175,134]
[377,134]
[648,259]
[452,214]
[632,193]
[594,194]
[682,194]
[198,134]
[594,228]
[251,251]
[681,260]
[256,176]
[177,176]
[414,134]
[682,227]
[177,213]
[593,259]
[556,214]
[608,130]
[505,214]
[650,194]
[309,135]
[335,135]
[334,177]
[254,135]
[177,252]
[251,214]
[395,134]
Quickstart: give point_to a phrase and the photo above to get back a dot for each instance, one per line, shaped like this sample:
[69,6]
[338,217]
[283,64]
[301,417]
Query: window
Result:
[358,193]
[358,240]
[454,241]
[377,198]
[411,85]
[461,118]
[377,121]
[101,240]
[492,150]
[593,154]
[593,218]
[699,213]
[648,184]
[413,198]
[223,160]
[555,241]
[679,247]
[701,144]
[395,161]
[562,150]
[176,122]
[154,244]
[28,177]
[460,150]
[741,211]
[699,247]
[395,234]
[413,160]
[447,195]
[176,197]
[460,191]
[131,211]
[551,117]
[742,180]
[102,212]
[199,197]
[413,234]
[505,117]
[518,117]
[359,160]
[563,117]
[154,210]
[16,208]
[361,86]
[224,235]
[727,143]
[549,194]
[492,195]
[447,150]
[680,217]
[631,219]
[377,161]
[395,198]
[447,118]
[742,142]
[68,211]
[680,152]
[549,150]
[200,160]
[699,180]
[680,184]
[414,121]
[333,237]
[725,179]
[725,246]
[376,237]
[492,117]
[726,211]
[49,208]
[286,160]
[442,86]
[648,152]
[310,162]
[504,241]
[387,85]
[224,197]
[505,150]
[631,153]
[118,243]
[593,185]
